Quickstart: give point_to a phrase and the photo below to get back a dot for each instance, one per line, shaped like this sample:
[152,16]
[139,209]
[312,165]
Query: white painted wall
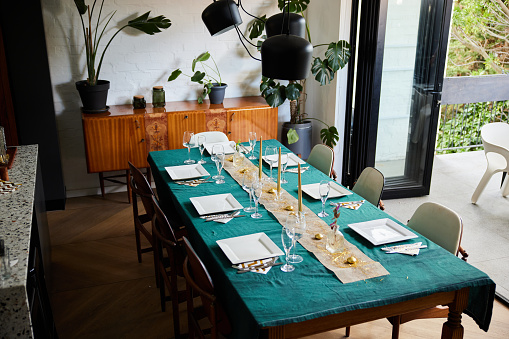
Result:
[135,63]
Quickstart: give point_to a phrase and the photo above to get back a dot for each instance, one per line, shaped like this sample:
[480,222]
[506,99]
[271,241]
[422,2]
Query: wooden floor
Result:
[99,290]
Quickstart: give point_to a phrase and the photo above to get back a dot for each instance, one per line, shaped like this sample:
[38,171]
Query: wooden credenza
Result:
[125,134]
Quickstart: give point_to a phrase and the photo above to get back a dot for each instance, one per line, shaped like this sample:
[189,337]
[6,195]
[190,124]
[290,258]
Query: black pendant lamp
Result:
[221,16]
[275,23]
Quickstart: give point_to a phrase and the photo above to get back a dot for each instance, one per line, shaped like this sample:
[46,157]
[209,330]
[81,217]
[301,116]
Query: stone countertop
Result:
[16,209]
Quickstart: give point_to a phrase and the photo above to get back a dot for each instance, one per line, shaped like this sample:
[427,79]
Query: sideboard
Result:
[125,134]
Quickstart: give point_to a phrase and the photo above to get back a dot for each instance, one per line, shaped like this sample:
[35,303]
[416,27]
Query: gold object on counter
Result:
[351,260]
[271,191]
[289,208]
[318,236]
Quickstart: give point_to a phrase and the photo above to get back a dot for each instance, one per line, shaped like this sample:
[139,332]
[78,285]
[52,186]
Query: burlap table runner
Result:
[364,268]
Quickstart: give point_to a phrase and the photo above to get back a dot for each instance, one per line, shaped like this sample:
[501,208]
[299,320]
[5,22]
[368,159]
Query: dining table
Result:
[311,299]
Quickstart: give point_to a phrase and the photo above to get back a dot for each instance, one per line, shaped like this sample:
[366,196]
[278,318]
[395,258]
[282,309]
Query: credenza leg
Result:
[127,179]
[101,182]
[452,329]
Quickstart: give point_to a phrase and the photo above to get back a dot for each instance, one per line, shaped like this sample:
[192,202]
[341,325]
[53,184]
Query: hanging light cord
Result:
[251,15]
[243,44]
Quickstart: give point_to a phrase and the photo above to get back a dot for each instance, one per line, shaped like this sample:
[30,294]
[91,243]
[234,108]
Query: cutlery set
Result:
[346,203]
[260,266]
[212,217]
[295,170]
[194,182]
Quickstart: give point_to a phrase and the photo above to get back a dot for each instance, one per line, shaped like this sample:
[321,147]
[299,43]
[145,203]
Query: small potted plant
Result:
[94,92]
[210,78]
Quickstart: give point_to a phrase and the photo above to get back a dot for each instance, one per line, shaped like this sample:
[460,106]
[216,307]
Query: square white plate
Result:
[186,171]
[336,191]
[293,160]
[227,146]
[382,231]
[249,247]
[215,203]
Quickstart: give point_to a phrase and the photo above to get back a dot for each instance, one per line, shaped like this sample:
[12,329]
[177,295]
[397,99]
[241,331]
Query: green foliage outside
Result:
[479,45]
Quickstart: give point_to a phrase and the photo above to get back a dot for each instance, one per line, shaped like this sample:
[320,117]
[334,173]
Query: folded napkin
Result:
[223,220]
[408,249]
[296,169]
[256,263]
[8,187]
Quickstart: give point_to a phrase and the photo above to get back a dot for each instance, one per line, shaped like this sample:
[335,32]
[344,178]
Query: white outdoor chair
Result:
[370,185]
[495,139]
[211,136]
[322,158]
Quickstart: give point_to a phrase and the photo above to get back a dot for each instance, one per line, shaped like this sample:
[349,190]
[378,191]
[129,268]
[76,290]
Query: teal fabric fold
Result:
[311,291]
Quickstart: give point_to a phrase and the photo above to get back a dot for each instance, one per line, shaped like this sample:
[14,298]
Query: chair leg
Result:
[482,184]
[347,332]
[162,293]
[175,305]
[505,187]
[127,178]
[101,183]
[138,242]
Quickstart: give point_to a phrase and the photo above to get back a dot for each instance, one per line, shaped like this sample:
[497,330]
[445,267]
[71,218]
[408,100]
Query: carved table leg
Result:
[453,329]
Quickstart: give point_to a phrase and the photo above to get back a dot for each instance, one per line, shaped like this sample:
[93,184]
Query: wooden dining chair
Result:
[199,283]
[370,185]
[169,254]
[322,158]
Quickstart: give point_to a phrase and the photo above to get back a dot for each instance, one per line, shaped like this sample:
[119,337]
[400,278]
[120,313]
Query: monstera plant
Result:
[335,56]
[91,16]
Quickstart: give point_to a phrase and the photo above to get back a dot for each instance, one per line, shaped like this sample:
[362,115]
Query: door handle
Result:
[231,118]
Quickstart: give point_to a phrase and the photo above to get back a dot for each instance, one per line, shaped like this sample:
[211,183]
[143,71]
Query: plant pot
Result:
[216,94]
[93,97]
[303,146]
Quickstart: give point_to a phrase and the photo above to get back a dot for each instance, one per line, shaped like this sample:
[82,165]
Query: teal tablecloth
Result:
[311,291]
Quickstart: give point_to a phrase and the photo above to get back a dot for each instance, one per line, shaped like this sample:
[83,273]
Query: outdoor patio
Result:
[486,224]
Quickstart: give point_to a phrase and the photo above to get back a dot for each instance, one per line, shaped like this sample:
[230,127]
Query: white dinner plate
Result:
[336,191]
[186,171]
[215,203]
[293,160]
[227,146]
[382,231]
[249,247]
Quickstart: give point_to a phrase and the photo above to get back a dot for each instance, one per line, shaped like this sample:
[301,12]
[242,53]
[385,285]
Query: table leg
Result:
[276,332]
[452,329]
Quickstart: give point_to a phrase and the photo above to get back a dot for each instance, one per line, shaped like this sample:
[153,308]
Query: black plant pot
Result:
[303,146]
[216,94]
[93,97]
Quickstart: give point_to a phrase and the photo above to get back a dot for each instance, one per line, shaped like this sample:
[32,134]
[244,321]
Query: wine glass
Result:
[247,180]
[188,136]
[270,157]
[201,140]
[219,164]
[252,143]
[324,189]
[256,192]
[284,164]
[298,222]
[213,156]
[287,239]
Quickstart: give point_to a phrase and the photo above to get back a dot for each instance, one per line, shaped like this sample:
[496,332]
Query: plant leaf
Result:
[292,136]
[275,96]
[322,72]
[296,6]
[329,136]
[149,26]
[293,91]
[203,57]
[198,77]
[80,4]
[174,75]
[256,27]
[338,54]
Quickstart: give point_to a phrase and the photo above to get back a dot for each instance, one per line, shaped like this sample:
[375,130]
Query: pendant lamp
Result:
[221,16]
[286,57]
[297,25]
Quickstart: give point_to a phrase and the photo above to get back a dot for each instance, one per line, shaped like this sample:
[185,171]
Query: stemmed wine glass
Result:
[252,143]
[298,222]
[324,189]
[287,234]
[247,180]
[256,192]
[284,164]
[270,157]
[201,140]
[217,149]
[219,164]
[188,136]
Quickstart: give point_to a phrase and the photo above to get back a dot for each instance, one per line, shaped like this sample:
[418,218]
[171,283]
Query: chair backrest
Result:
[370,185]
[198,277]
[162,224]
[321,158]
[211,136]
[141,187]
[495,138]
[439,224]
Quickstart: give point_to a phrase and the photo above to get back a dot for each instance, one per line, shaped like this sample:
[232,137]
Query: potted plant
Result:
[323,69]
[210,78]
[93,91]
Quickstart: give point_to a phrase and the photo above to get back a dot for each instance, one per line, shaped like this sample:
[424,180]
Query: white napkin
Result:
[296,169]
[408,249]
[256,262]
[223,220]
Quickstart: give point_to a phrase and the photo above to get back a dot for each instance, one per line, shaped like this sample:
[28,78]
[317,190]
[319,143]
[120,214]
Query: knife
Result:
[225,217]
[253,268]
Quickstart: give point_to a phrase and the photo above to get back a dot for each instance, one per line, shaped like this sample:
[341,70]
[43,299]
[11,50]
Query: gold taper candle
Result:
[279,173]
[260,164]
[300,189]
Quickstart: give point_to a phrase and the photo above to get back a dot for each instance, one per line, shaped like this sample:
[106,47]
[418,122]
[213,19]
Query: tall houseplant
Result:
[324,68]
[93,92]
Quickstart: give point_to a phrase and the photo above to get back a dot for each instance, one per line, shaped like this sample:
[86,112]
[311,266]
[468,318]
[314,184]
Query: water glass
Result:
[271,158]
[200,139]
[217,149]
[252,143]
[298,223]
[324,190]
[284,164]
[256,192]
[287,234]
[188,136]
